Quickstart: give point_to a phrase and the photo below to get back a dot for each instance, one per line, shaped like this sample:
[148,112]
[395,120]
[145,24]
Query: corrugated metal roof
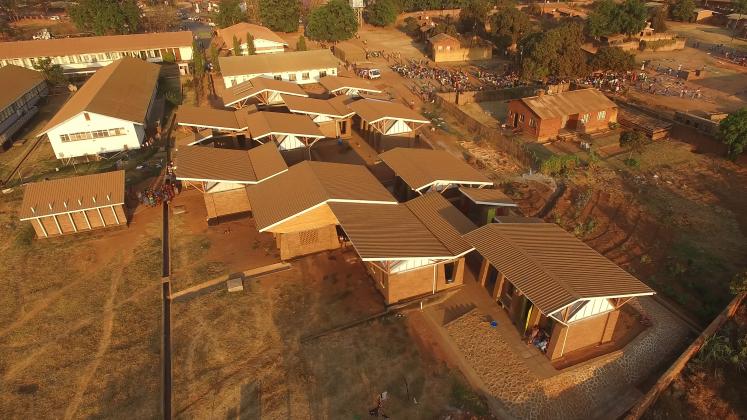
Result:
[550,266]
[215,164]
[332,107]
[94,44]
[258,85]
[15,82]
[384,232]
[71,194]
[263,123]
[336,83]
[240,30]
[487,196]
[372,110]
[277,63]
[123,90]
[422,167]
[308,184]
[444,220]
[267,161]
[572,102]
[211,117]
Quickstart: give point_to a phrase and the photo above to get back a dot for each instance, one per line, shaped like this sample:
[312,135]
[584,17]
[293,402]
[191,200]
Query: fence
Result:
[463,98]
[648,400]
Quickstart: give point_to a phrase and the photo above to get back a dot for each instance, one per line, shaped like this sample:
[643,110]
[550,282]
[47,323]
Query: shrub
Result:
[632,162]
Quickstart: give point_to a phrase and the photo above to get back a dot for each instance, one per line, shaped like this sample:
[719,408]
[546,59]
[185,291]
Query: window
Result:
[86,116]
[521,117]
[449,272]
[531,122]
[440,47]
[305,75]
[108,56]
[89,135]
[448,48]
[585,118]
[278,77]
[322,73]
[292,77]
[601,115]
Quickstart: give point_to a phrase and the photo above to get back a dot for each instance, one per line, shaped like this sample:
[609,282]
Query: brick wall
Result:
[588,332]
[306,242]
[403,286]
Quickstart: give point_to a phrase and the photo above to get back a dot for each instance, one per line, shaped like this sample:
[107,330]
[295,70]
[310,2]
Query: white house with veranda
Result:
[110,113]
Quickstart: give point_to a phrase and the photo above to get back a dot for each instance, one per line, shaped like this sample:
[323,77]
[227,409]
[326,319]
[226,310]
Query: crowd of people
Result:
[155,196]
[449,79]
[492,80]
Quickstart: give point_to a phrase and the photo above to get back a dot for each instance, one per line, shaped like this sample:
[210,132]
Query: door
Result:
[516,120]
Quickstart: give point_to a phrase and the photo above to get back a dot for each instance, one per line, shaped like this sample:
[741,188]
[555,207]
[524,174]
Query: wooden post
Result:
[114,212]
[498,285]
[57,223]
[88,222]
[101,216]
[41,225]
[72,222]
[483,276]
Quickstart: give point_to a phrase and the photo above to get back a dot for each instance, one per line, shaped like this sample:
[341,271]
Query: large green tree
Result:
[161,18]
[198,60]
[608,17]
[250,50]
[229,13]
[473,15]
[214,55]
[508,26]
[733,132]
[659,18]
[634,141]
[683,10]
[556,52]
[381,12]
[612,58]
[104,17]
[631,16]
[335,21]
[280,15]
[52,72]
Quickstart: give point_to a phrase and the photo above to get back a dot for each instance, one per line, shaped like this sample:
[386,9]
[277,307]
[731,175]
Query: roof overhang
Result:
[453,182]
[214,127]
[332,200]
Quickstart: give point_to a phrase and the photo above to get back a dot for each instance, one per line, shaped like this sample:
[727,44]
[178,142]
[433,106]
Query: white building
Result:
[20,91]
[300,67]
[265,40]
[88,54]
[110,113]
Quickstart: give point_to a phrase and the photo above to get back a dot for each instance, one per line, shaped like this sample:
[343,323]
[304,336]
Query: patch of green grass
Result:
[209,270]
[463,397]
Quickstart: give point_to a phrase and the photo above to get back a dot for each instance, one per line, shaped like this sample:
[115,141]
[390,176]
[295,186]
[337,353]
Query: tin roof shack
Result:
[332,115]
[265,40]
[261,91]
[295,205]
[20,90]
[77,204]
[110,113]
[543,117]
[418,171]
[384,123]
[223,174]
[410,250]
[444,48]
[550,281]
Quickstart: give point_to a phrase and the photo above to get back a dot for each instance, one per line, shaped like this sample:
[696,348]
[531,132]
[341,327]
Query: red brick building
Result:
[544,116]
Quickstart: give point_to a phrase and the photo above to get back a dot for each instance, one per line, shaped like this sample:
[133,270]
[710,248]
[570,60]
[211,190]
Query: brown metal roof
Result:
[572,102]
[240,166]
[123,90]
[72,194]
[277,63]
[309,184]
[336,83]
[444,220]
[262,124]
[420,168]
[94,44]
[15,82]
[488,196]
[332,107]
[240,29]
[372,110]
[211,117]
[386,232]
[550,266]
[258,85]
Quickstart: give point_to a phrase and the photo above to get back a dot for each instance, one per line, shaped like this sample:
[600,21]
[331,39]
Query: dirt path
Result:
[106,337]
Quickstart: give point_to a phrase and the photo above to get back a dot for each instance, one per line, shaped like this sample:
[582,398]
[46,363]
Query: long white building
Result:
[110,113]
[20,91]
[300,67]
[88,54]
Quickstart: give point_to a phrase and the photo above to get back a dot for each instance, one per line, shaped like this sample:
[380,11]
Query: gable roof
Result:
[277,63]
[309,184]
[263,123]
[94,44]
[258,85]
[420,168]
[571,102]
[219,119]
[240,29]
[72,194]
[123,90]
[550,266]
[336,83]
[487,196]
[333,107]
[443,37]
[15,82]
[372,110]
[199,163]
[445,221]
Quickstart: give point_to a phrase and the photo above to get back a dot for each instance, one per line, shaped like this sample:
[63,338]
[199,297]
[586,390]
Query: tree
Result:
[199,61]
[609,18]
[473,15]
[280,15]
[168,57]
[214,57]
[600,21]
[106,17]
[229,13]
[612,58]
[683,10]
[659,19]
[738,284]
[236,46]
[733,133]
[335,21]
[52,72]
[161,18]
[631,17]
[633,140]
[250,44]
[556,52]
[508,26]
[381,12]
[301,44]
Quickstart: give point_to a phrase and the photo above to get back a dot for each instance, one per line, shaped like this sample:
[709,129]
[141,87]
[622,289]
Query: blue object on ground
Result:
[493,324]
